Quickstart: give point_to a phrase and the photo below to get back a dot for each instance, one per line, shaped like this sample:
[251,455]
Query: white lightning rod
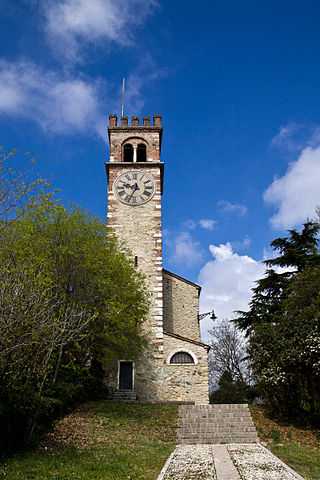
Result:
[122,96]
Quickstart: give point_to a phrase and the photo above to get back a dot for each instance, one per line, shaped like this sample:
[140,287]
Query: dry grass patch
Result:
[267,428]
[101,440]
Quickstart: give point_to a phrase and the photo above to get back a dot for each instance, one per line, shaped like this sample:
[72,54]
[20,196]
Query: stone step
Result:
[220,435]
[215,417]
[217,430]
[205,413]
[115,397]
[208,413]
[222,426]
[215,424]
[212,438]
[217,434]
[215,441]
[213,413]
[124,396]
[217,406]
[215,421]
[231,438]
[121,394]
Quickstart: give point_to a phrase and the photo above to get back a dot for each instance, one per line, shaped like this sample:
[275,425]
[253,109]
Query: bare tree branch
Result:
[228,354]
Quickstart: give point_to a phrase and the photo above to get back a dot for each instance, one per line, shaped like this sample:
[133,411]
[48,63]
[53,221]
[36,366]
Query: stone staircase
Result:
[215,424]
[124,396]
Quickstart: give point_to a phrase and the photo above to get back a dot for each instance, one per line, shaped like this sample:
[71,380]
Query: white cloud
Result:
[58,104]
[64,104]
[190,224]
[207,223]
[286,137]
[226,282]
[186,250]
[236,208]
[295,136]
[296,194]
[73,24]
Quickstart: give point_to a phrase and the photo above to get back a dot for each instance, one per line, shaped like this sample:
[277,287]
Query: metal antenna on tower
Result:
[122,96]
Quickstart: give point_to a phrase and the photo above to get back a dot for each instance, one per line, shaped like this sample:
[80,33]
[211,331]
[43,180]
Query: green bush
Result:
[230,391]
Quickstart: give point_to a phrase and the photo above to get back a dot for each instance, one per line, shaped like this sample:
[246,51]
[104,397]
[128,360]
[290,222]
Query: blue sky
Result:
[238,86]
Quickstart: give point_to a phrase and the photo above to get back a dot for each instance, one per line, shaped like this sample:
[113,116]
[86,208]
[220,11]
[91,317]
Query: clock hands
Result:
[127,185]
[136,187]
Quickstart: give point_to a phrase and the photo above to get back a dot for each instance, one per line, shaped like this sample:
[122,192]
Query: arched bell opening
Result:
[141,153]
[128,152]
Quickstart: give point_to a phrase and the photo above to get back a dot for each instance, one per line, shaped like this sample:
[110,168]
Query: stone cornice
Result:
[182,279]
[185,339]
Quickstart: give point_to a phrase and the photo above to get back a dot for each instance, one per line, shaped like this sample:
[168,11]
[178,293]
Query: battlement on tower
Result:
[145,122]
[136,142]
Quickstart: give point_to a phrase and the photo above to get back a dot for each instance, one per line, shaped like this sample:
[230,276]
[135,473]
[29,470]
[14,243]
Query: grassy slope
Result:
[107,441]
[101,440]
[298,447]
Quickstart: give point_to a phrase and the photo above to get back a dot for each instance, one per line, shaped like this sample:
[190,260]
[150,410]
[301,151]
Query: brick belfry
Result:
[174,367]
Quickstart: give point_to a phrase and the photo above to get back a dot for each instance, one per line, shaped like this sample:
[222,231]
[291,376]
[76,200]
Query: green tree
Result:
[297,251]
[70,300]
[282,321]
[17,188]
[230,390]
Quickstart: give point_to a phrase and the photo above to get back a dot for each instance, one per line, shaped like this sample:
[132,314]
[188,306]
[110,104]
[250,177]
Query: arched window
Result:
[181,357]
[141,153]
[128,153]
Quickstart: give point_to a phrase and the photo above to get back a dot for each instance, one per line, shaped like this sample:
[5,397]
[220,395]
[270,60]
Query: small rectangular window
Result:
[136,261]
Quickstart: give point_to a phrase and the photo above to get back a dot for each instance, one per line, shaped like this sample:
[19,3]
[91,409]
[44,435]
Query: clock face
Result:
[134,187]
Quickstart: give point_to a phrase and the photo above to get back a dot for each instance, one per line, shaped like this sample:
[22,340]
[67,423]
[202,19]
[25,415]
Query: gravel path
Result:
[190,462]
[225,462]
[254,462]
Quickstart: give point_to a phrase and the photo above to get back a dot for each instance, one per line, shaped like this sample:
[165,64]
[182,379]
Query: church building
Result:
[175,366]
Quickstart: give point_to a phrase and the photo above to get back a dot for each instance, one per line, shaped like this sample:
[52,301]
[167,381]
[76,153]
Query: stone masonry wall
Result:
[186,382]
[180,307]
[139,228]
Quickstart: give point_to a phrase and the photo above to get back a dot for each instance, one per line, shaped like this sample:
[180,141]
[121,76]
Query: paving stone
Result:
[254,462]
[225,469]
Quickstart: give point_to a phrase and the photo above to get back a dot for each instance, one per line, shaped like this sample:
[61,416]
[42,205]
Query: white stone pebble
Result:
[255,462]
[191,462]
[252,461]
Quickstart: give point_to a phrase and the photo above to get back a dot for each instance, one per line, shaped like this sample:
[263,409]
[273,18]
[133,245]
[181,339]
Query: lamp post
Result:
[204,315]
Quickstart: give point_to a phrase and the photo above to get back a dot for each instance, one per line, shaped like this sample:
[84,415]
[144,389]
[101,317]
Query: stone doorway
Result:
[126,375]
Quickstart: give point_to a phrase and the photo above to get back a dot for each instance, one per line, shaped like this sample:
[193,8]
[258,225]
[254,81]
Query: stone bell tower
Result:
[135,179]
